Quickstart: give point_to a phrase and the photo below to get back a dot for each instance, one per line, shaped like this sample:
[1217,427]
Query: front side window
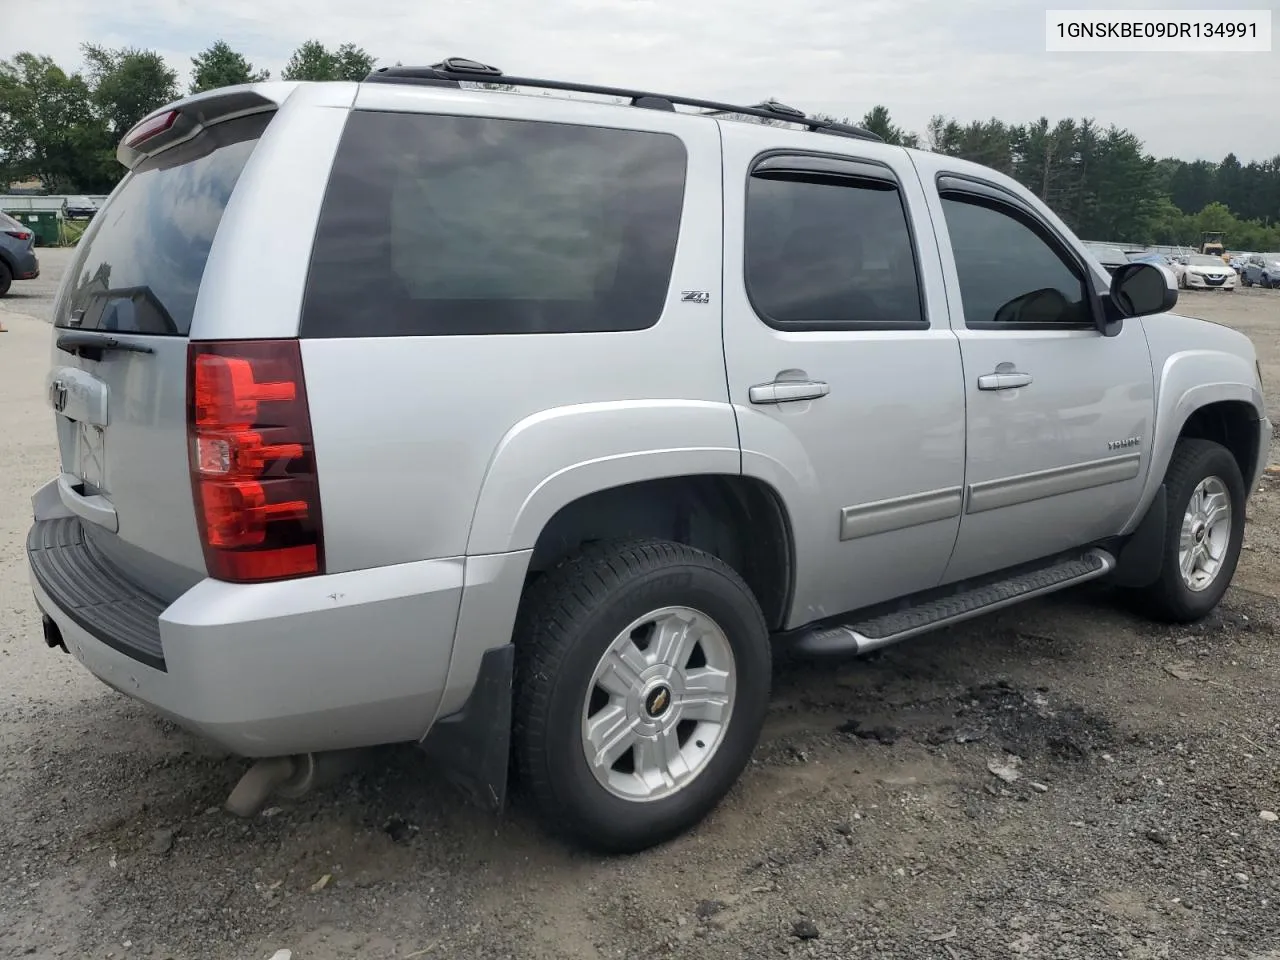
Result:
[446,225]
[1009,273]
[829,251]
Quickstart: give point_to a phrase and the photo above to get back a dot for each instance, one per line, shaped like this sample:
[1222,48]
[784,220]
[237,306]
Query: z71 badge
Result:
[695,296]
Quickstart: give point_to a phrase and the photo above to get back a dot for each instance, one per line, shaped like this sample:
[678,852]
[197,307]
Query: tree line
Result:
[1105,186]
[62,127]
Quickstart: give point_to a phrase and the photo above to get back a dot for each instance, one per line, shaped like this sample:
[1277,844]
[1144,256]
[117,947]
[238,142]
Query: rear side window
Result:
[466,225]
[830,253]
[139,266]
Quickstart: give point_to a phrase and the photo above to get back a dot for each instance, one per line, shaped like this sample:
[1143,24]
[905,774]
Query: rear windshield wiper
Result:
[91,346]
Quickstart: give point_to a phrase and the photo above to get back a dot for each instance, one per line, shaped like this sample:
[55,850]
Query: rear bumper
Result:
[26,266]
[320,663]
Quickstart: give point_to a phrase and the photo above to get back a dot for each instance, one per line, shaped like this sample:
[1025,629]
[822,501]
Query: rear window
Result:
[467,225]
[139,265]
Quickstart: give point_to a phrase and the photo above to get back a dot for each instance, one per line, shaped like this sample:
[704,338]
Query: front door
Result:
[843,370]
[1059,416]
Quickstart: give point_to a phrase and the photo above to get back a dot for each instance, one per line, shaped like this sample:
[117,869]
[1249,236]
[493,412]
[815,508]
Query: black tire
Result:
[568,619]
[1170,598]
[1244,278]
[6,278]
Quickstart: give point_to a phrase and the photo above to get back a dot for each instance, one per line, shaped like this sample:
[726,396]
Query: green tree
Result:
[49,128]
[127,84]
[877,121]
[220,66]
[314,61]
[354,63]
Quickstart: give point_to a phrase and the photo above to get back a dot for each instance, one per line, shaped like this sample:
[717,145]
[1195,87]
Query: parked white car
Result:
[1200,271]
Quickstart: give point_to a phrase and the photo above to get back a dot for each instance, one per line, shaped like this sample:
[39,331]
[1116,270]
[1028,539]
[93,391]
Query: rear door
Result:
[118,378]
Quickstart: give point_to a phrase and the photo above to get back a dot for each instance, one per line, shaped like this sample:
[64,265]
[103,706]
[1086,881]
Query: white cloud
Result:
[970,60]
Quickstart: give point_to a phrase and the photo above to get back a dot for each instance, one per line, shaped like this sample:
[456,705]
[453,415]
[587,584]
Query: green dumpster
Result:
[43,223]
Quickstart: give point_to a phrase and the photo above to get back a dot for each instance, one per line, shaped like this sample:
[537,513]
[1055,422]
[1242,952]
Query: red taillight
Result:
[253,468]
[19,234]
[150,127]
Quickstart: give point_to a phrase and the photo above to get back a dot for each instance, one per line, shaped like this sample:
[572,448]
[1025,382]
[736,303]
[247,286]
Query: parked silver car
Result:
[1262,269]
[521,426]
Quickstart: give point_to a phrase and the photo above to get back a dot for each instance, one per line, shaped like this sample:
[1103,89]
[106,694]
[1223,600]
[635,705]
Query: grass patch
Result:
[71,231]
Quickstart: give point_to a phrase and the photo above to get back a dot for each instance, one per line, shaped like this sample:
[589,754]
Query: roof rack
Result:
[457,70]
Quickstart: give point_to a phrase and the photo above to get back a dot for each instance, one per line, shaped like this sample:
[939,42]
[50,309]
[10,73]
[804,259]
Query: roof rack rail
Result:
[455,71]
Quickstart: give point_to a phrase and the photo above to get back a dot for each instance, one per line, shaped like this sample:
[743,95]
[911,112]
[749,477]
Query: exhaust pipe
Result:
[289,777]
[52,635]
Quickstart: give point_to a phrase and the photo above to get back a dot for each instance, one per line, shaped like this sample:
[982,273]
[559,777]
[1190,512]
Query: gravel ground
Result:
[870,823]
[35,297]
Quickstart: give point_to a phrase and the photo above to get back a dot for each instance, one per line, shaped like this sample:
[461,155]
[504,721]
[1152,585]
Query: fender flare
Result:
[550,459]
[1174,409]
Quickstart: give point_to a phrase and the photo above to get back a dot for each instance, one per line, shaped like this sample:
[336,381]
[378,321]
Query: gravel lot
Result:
[869,825]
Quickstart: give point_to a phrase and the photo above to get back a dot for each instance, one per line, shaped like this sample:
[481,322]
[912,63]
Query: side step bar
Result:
[962,603]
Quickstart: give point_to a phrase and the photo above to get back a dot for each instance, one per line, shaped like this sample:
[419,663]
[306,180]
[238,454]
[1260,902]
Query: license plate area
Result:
[90,461]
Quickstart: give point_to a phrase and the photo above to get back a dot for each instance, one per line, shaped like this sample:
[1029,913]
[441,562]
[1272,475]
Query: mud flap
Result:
[1142,556]
[473,745]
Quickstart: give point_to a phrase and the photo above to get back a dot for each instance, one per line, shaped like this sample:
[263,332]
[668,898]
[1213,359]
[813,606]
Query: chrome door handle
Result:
[786,391]
[1003,381]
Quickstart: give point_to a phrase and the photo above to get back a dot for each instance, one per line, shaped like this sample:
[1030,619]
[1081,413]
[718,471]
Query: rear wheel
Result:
[6,278]
[642,681]
[1203,533]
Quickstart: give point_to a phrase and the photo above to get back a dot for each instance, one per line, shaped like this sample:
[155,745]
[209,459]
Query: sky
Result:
[966,59]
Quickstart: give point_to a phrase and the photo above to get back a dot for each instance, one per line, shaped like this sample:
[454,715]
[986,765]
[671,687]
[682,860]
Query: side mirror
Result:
[1141,289]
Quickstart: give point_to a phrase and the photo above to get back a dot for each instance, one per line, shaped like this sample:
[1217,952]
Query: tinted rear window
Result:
[467,225]
[830,252]
[140,263]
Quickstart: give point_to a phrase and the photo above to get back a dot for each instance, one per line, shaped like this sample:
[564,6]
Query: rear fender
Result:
[552,458]
[547,461]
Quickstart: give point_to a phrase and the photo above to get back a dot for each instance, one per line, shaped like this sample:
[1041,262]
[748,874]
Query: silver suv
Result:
[523,427]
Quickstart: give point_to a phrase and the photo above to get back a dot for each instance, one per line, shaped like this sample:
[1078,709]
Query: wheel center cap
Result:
[658,701]
[1199,533]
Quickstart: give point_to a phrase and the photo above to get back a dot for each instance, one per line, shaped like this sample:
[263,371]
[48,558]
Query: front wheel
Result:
[642,681]
[1203,533]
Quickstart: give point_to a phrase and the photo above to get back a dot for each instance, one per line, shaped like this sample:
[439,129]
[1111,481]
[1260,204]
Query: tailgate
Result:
[118,383]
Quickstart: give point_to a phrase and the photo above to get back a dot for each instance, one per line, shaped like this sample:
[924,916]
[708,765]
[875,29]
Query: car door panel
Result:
[1057,458]
[869,456]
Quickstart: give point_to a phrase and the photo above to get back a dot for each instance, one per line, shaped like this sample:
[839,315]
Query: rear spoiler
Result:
[180,121]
